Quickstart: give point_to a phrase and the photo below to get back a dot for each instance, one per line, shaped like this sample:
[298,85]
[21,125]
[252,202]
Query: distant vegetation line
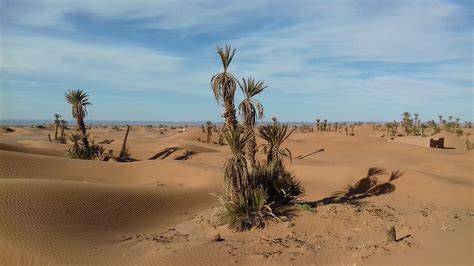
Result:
[29,122]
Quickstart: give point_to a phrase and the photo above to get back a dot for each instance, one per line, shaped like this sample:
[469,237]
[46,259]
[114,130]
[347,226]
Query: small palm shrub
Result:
[79,150]
[257,194]
[275,134]
[282,188]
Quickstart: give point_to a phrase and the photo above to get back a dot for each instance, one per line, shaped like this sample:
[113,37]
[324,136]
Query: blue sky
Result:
[153,59]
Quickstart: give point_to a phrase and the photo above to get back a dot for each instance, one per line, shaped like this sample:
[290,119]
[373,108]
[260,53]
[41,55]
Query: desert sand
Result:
[57,210]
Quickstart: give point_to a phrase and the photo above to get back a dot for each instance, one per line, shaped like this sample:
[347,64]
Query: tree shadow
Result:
[162,154]
[299,157]
[188,154]
[368,186]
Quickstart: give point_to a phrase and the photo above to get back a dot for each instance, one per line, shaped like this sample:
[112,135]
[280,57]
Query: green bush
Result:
[271,193]
[280,185]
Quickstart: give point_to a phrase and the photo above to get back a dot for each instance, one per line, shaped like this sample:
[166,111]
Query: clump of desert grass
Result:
[241,213]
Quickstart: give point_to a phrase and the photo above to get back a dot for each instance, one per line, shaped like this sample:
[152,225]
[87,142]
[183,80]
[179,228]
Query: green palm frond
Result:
[226,54]
[79,101]
[76,138]
[224,84]
[275,134]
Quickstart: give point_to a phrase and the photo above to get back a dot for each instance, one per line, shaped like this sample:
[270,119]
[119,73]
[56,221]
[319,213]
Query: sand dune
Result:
[56,210]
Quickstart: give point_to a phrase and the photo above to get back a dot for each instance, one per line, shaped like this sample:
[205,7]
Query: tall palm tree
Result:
[209,131]
[317,123]
[407,122]
[63,127]
[56,125]
[224,84]
[250,110]
[416,115]
[124,152]
[79,101]
[275,135]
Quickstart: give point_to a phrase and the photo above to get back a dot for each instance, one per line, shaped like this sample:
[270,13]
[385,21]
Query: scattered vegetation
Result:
[413,126]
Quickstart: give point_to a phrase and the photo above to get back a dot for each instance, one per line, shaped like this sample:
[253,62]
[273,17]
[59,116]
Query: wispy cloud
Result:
[393,52]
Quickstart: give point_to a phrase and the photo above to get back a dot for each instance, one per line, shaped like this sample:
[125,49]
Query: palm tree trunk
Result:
[229,112]
[62,132]
[56,131]
[124,143]
[82,128]
[209,134]
[251,146]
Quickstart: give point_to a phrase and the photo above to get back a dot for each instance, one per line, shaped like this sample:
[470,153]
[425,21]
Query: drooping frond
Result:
[224,84]
[251,109]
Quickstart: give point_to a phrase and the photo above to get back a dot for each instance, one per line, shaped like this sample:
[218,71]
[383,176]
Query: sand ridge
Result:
[56,210]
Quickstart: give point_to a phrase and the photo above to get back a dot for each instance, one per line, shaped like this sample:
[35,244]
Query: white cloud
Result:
[302,47]
[103,64]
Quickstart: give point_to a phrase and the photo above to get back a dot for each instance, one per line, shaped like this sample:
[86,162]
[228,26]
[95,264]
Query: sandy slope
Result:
[56,210]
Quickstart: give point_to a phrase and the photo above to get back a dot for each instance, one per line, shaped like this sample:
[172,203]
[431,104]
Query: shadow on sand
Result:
[366,187]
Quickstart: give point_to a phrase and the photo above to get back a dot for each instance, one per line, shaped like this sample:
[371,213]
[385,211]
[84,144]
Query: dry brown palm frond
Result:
[250,109]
